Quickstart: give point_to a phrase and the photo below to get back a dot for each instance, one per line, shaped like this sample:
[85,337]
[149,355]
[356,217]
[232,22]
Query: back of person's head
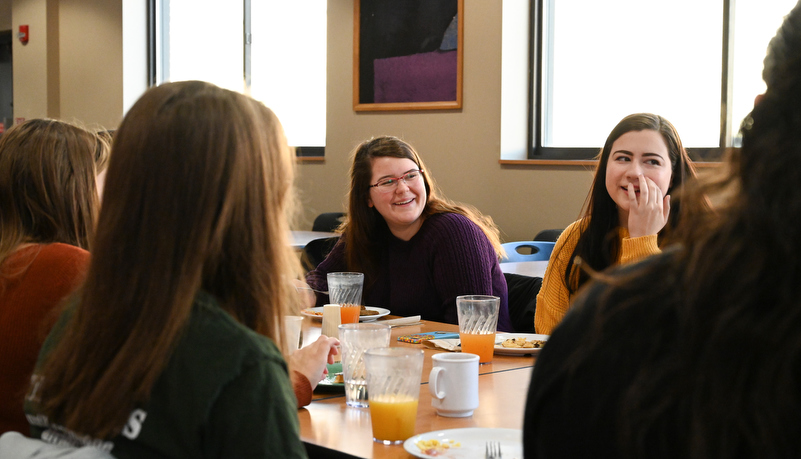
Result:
[767,164]
[196,197]
[736,282]
[47,184]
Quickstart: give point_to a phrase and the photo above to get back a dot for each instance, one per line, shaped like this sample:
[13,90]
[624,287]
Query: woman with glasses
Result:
[417,250]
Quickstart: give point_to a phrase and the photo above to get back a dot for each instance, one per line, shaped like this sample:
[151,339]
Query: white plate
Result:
[518,350]
[310,312]
[469,443]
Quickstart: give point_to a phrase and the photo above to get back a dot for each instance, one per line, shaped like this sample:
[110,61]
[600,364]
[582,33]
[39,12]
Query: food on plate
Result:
[434,447]
[363,311]
[522,342]
[338,378]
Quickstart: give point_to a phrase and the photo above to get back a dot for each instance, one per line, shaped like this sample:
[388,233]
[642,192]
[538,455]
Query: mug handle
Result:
[433,377]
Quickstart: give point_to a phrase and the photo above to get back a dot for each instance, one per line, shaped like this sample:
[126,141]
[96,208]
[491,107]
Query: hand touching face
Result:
[638,177]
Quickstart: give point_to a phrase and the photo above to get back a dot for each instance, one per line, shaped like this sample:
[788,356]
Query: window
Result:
[698,64]
[273,50]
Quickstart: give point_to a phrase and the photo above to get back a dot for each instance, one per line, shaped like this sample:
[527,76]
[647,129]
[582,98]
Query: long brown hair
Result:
[597,246]
[365,228]
[47,184]
[196,197]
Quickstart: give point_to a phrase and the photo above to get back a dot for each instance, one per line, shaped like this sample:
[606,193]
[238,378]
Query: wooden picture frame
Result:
[405,54]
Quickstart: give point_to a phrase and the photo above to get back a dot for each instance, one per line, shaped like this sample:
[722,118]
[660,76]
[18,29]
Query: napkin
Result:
[331,320]
[402,321]
[453,345]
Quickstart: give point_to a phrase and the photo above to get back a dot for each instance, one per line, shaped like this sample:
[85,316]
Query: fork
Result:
[309,288]
[493,450]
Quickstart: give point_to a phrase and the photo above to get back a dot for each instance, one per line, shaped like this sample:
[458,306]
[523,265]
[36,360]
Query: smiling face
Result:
[401,205]
[634,153]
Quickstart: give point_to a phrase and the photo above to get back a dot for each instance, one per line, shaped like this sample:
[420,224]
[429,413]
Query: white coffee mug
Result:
[453,384]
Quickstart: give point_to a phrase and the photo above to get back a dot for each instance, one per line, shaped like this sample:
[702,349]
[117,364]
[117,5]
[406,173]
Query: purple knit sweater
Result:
[449,256]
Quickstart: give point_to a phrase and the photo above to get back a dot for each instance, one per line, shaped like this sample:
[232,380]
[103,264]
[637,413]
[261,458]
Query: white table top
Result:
[526,268]
[301,238]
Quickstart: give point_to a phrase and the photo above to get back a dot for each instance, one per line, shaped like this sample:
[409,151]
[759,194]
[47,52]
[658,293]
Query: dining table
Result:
[525,268]
[503,384]
[301,238]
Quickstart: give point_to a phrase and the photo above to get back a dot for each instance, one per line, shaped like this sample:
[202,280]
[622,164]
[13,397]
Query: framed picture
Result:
[407,54]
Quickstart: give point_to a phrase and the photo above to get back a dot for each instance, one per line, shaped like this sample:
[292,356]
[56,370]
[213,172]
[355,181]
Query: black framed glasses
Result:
[389,184]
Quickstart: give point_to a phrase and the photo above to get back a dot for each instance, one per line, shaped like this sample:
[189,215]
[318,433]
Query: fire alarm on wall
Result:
[23,34]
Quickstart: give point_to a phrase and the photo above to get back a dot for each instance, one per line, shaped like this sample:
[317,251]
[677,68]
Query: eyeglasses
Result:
[390,183]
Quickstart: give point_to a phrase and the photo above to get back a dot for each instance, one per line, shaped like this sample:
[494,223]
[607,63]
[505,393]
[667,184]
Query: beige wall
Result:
[461,148]
[91,61]
[30,65]
[71,68]
[5,14]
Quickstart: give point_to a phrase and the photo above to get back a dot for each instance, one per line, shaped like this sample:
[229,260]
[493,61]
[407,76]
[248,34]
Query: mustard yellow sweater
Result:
[553,300]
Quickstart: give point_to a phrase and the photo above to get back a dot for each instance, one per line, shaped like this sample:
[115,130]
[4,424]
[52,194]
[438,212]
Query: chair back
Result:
[316,251]
[328,221]
[549,235]
[540,251]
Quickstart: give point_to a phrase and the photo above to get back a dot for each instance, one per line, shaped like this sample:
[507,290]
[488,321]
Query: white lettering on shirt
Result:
[134,425]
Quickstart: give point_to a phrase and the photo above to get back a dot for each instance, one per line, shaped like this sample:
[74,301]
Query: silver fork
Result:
[309,288]
[493,450]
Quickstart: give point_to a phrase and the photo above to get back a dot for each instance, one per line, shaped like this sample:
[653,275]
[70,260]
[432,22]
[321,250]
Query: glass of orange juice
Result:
[478,320]
[349,313]
[393,386]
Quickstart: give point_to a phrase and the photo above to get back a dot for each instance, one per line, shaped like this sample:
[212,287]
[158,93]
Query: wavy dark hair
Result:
[598,245]
[733,383]
[365,229]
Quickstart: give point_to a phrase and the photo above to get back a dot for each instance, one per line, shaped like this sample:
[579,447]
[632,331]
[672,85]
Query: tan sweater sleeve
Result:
[553,299]
[637,248]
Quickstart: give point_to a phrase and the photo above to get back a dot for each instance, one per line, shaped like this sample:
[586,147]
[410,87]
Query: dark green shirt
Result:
[224,393]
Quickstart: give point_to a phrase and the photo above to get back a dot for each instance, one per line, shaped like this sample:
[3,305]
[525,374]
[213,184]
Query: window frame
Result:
[587,156]
[158,57]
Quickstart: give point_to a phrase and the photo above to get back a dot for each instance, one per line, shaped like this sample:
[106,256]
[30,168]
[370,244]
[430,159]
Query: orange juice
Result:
[349,313]
[393,417]
[483,345]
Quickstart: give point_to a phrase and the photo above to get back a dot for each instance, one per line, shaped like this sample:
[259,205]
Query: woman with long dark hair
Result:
[628,214]
[695,353]
[418,250]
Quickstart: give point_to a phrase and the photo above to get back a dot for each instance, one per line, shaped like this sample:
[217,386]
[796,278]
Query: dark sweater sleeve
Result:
[465,263]
[318,278]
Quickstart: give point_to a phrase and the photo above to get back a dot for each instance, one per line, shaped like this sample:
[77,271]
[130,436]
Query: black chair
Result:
[328,221]
[549,235]
[523,292]
[316,251]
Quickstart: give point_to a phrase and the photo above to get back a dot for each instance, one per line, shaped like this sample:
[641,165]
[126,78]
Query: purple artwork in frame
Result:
[407,55]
